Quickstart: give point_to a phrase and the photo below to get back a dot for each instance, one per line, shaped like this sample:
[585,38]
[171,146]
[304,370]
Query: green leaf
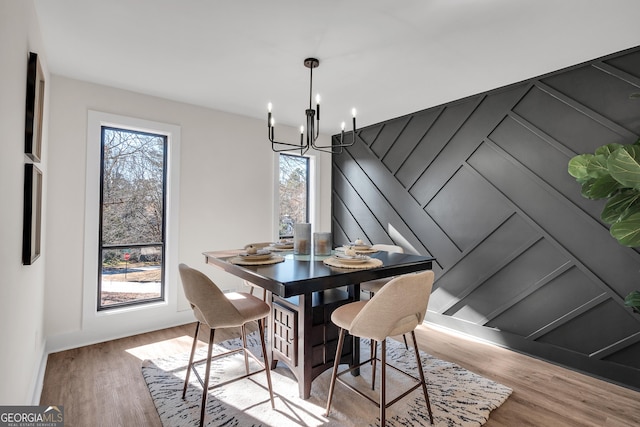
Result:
[624,165]
[597,167]
[621,206]
[606,150]
[586,188]
[627,231]
[633,300]
[604,187]
[578,166]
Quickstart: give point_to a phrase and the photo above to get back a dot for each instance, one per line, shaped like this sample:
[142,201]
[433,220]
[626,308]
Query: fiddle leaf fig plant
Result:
[612,172]
[633,300]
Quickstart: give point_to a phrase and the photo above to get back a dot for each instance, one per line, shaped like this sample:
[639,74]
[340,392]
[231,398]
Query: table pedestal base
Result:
[303,337]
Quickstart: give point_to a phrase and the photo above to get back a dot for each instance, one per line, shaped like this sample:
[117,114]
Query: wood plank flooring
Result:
[102,384]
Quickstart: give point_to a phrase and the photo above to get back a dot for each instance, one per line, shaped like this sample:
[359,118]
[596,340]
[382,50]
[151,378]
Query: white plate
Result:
[347,259]
[359,247]
[282,245]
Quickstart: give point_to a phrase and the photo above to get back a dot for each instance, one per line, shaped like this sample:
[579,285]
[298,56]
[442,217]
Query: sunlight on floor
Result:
[161,348]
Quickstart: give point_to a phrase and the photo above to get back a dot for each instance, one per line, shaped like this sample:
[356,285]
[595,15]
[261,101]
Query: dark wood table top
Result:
[304,274]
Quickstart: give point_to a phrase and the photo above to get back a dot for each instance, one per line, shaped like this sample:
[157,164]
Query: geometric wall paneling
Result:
[567,291]
[571,228]
[407,140]
[577,131]
[361,216]
[388,135]
[449,119]
[481,184]
[518,276]
[369,174]
[467,208]
[628,64]
[588,333]
[629,356]
[505,243]
[390,226]
[472,132]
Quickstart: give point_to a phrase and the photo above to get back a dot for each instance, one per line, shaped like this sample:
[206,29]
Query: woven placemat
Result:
[240,261]
[336,262]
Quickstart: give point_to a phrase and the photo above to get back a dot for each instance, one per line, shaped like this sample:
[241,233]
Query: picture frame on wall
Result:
[32,224]
[34,108]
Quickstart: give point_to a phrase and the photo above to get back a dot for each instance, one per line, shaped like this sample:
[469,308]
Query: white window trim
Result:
[115,322]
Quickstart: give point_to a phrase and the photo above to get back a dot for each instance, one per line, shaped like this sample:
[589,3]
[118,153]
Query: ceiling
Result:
[387,58]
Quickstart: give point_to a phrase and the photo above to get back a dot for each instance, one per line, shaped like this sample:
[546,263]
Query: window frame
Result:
[162,243]
[309,191]
[105,324]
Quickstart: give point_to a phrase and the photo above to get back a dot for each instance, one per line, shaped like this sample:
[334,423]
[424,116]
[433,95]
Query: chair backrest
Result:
[396,309]
[388,248]
[208,302]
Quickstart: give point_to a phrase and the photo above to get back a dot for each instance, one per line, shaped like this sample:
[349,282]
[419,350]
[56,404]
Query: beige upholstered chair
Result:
[396,309]
[374,286]
[222,310]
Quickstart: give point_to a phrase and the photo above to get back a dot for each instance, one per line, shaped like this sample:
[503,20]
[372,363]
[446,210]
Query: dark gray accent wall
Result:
[482,185]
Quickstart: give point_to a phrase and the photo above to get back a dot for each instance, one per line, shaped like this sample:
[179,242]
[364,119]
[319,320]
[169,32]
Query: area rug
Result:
[458,397]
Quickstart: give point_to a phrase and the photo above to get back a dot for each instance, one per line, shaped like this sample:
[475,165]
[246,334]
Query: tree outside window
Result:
[293,193]
[132,217]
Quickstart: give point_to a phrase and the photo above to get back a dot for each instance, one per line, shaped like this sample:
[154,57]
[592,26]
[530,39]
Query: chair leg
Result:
[193,351]
[424,382]
[374,357]
[334,373]
[404,337]
[205,387]
[266,360]
[243,331]
[383,386]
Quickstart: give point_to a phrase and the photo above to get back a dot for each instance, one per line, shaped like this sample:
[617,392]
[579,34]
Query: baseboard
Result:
[601,369]
[85,337]
[35,390]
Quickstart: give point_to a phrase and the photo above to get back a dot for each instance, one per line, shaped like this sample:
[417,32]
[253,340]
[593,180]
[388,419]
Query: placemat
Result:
[336,262]
[240,261]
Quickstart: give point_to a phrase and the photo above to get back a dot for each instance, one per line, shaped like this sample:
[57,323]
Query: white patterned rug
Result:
[458,397]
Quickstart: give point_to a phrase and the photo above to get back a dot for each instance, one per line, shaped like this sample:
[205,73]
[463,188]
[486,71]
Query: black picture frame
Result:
[34,108]
[32,223]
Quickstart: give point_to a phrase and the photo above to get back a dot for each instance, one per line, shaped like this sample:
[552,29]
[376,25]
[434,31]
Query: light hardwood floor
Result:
[102,384]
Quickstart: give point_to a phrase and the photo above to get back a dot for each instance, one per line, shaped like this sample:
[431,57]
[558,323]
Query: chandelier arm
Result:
[313,126]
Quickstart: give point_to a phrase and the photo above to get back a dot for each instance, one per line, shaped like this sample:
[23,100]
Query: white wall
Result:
[226,195]
[22,288]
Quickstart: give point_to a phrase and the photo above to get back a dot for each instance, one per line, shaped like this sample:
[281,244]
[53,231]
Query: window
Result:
[293,193]
[132,217]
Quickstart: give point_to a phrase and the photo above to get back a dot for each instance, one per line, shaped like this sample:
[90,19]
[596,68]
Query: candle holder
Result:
[302,238]
[322,243]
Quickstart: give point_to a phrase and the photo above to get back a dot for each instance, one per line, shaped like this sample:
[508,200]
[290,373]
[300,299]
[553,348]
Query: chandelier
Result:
[313,125]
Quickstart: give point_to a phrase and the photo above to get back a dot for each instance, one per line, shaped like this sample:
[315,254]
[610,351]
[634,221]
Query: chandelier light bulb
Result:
[273,121]
[318,98]
[342,126]
[269,106]
[301,129]
[353,112]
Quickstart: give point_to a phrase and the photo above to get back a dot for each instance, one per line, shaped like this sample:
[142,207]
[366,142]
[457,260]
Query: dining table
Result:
[303,291]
